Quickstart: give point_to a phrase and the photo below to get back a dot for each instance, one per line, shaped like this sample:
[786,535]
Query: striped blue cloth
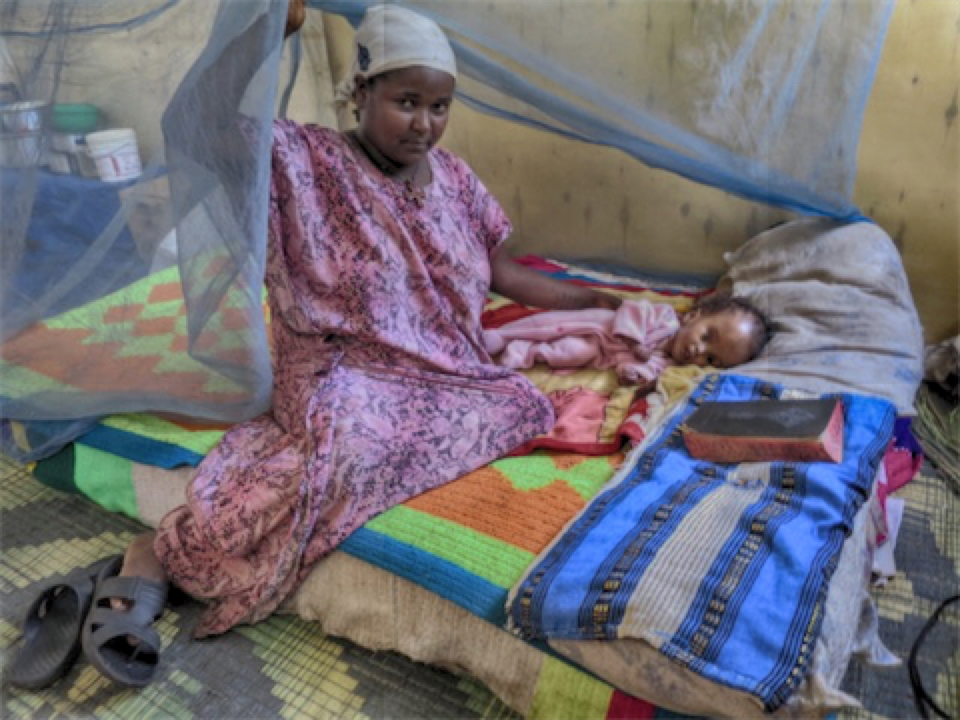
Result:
[724,568]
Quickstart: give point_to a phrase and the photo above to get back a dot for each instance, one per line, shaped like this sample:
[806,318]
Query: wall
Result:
[573,200]
[909,179]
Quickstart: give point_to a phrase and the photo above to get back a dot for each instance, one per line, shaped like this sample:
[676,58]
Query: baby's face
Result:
[721,340]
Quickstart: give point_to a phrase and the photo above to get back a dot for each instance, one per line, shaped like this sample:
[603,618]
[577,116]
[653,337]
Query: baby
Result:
[639,339]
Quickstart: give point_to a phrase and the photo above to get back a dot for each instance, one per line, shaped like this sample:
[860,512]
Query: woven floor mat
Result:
[281,668]
[928,564]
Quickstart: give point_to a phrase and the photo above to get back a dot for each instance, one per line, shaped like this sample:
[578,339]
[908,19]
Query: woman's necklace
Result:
[412,188]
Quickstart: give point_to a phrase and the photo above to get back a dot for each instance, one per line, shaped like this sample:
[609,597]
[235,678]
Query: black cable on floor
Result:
[921,697]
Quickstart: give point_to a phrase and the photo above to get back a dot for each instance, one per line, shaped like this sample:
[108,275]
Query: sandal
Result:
[122,644]
[52,627]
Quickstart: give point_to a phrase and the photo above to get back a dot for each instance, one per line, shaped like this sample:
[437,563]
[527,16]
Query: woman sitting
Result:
[382,249]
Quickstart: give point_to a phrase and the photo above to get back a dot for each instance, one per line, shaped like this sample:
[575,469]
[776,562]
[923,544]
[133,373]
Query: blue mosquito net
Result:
[135,167]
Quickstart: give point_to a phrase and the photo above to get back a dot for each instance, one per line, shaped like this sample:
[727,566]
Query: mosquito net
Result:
[134,158]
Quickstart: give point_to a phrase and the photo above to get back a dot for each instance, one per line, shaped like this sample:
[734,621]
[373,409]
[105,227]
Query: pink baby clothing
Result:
[631,339]
[383,388]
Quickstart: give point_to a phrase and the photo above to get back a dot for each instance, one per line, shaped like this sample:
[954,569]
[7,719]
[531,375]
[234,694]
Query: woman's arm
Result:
[296,15]
[530,287]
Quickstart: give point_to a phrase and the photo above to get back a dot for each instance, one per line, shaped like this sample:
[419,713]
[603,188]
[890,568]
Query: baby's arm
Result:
[643,373]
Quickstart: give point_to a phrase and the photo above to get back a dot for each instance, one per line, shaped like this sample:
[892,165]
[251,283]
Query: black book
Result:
[765,430]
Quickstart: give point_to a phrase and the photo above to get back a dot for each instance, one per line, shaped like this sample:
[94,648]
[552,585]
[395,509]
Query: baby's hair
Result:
[723,302]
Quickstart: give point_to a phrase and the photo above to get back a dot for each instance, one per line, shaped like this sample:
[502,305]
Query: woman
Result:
[382,248]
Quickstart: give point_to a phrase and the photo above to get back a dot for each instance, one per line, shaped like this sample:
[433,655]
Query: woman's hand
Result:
[601,299]
[296,14]
[530,287]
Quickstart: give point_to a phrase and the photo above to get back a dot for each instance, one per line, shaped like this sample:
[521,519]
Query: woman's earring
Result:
[359,95]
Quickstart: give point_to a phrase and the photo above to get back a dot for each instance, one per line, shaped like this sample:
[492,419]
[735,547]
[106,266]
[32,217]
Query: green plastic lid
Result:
[76,117]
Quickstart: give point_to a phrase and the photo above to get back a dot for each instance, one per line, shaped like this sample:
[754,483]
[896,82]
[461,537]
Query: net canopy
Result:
[135,158]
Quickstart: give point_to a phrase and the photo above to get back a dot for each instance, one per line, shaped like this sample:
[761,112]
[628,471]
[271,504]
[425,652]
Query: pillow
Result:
[842,311]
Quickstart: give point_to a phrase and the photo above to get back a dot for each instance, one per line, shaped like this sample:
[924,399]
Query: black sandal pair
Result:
[76,613]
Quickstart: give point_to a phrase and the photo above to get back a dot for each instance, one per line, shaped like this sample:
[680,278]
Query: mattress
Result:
[432,578]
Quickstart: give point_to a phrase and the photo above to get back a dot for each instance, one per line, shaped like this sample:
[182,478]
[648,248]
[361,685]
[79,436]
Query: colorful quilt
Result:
[135,340]
[744,609]
[595,414]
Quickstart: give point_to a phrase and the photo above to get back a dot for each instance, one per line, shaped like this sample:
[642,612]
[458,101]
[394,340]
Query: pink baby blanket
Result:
[631,340]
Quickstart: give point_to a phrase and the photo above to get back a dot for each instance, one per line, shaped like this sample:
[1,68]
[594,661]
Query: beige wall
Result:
[909,179]
[574,200]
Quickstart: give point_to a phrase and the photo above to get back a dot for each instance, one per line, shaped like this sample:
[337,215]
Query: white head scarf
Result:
[391,37]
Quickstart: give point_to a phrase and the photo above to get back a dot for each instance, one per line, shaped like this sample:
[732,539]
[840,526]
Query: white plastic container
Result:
[116,154]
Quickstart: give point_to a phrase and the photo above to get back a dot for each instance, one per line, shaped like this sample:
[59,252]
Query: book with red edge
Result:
[766,430]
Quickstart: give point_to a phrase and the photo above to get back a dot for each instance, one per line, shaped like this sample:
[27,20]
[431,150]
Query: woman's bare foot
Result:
[118,636]
[140,560]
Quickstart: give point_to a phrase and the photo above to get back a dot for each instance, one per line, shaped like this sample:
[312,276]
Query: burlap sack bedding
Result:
[841,305]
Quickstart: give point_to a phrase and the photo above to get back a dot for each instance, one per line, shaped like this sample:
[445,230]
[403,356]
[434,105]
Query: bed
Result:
[732,591]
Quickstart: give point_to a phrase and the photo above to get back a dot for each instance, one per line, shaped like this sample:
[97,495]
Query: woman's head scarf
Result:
[391,37]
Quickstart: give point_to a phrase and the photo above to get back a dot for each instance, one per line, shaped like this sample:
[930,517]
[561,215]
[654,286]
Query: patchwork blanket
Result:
[723,568]
[595,412]
[134,339]
[468,541]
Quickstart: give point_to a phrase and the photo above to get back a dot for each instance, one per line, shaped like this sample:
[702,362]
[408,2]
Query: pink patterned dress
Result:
[382,386]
